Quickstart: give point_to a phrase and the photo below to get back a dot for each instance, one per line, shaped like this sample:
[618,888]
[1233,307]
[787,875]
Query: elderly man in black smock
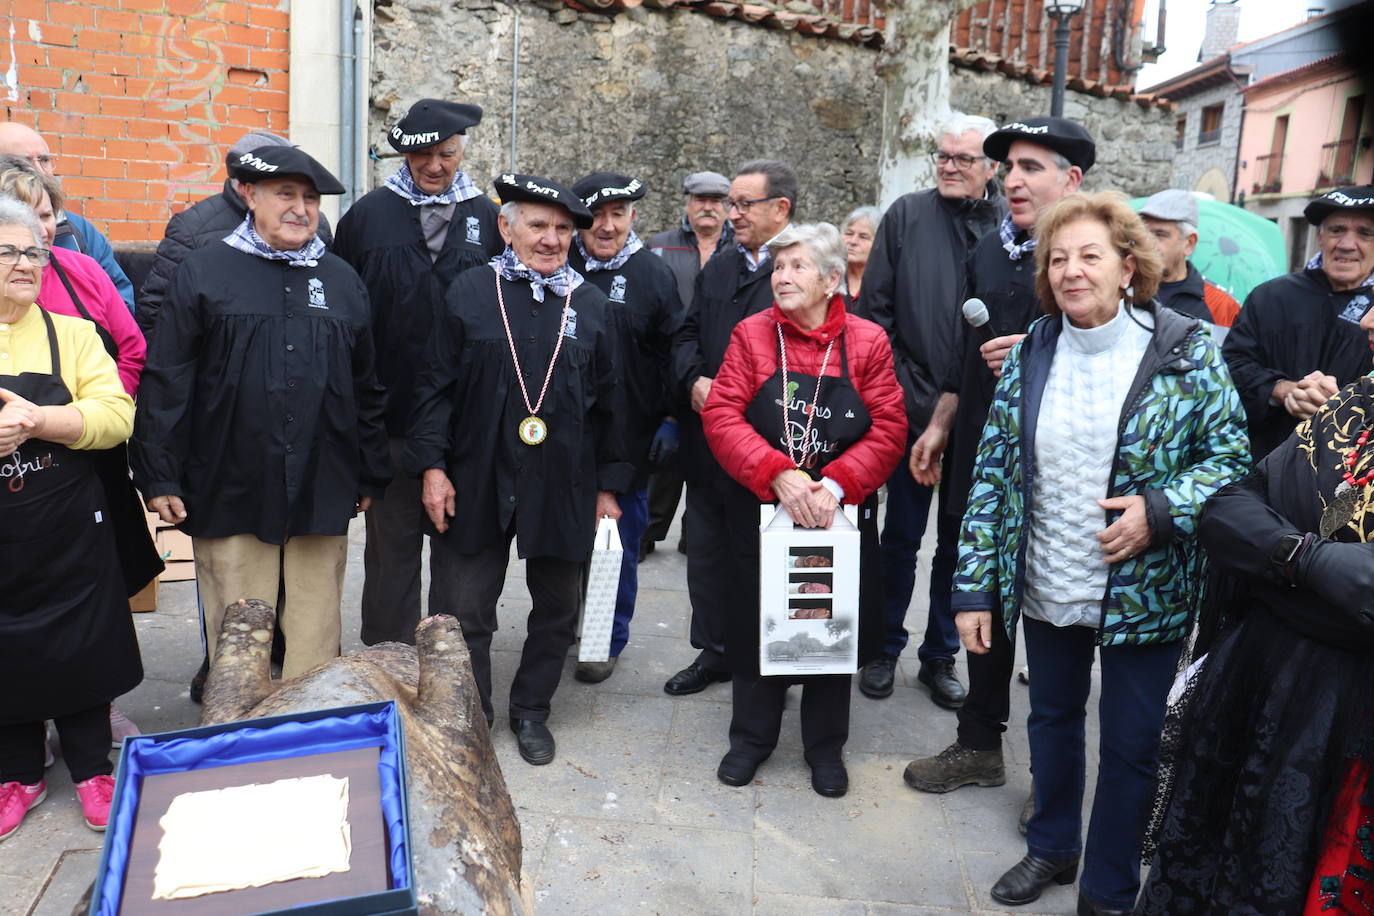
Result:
[734,284]
[913,287]
[517,434]
[259,428]
[409,240]
[1045,159]
[646,311]
[1297,340]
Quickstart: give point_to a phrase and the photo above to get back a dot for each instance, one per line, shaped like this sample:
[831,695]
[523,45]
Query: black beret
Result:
[431,121]
[536,190]
[603,187]
[1059,134]
[1358,197]
[278,162]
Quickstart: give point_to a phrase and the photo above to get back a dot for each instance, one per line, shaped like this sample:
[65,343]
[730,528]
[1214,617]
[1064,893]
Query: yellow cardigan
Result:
[88,371]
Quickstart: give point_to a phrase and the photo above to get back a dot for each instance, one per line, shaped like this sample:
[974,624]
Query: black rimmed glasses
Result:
[9,256]
[962,161]
[744,206]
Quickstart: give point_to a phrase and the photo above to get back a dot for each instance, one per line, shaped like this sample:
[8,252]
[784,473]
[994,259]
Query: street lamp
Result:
[1060,11]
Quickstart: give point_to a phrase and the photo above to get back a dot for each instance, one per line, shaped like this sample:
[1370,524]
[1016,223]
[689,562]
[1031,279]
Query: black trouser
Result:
[983,717]
[711,569]
[665,490]
[756,716]
[391,560]
[468,587]
[85,740]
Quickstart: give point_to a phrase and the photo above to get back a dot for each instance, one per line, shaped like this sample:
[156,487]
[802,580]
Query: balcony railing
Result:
[1339,168]
[1271,171]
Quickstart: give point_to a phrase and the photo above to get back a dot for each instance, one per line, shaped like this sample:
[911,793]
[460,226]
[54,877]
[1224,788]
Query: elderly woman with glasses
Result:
[67,643]
[805,411]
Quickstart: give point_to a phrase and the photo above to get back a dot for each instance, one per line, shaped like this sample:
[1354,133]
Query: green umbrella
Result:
[1236,249]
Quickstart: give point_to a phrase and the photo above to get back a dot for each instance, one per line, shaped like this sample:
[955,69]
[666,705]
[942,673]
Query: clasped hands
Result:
[808,501]
[20,421]
[1305,397]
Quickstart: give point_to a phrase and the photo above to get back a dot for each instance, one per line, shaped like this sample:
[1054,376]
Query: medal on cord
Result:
[532,429]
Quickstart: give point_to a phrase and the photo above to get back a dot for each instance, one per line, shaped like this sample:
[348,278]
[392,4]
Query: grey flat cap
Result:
[1171,206]
[707,184]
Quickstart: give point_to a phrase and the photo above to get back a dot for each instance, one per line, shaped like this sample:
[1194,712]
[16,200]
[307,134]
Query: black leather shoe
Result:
[876,678]
[829,779]
[1024,881]
[534,739]
[1087,908]
[736,769]
[945,689]
[693,679]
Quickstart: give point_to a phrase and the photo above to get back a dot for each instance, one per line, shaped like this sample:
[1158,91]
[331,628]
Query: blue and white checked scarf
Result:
[1316,264]
[632,244]
[561,281]
[246,239]
[403,183]
[1008,231]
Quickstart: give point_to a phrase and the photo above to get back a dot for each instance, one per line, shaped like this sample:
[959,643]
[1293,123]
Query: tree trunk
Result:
[914,65]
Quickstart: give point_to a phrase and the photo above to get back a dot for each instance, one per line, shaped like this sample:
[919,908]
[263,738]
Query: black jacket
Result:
[645,312]
[468,407]
[205,221]
[1291,326]
[726,292]
[914,286]
[1186,296]
[380,236]
[259,404]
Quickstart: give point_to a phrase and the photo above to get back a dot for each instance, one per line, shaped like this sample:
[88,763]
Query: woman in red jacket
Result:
[834,439]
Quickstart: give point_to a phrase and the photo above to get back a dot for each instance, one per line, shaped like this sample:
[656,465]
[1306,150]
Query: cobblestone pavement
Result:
[629,818]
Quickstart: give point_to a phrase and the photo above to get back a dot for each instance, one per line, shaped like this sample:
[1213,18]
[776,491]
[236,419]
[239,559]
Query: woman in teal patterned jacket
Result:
[1113,421]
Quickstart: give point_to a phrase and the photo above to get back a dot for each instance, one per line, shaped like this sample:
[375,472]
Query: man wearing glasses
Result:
[913,287]
[734,284]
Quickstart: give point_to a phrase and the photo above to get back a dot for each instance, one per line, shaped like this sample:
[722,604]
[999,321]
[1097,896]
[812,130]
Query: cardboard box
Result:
[364,740]
[145,600]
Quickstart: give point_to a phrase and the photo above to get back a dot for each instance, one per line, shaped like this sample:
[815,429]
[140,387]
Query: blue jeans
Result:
[634,518]
[1135,684]
[908,505]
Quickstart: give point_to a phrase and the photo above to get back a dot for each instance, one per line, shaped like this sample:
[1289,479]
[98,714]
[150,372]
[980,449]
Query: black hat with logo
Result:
[1063,136]
[432,121]
[604,187]
[266,162]
[536,190]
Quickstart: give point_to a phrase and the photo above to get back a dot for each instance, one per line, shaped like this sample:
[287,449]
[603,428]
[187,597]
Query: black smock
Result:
[726,293]
[259,404]
[67,641]
[1289,327]
[380,236]
[645,311]
[1007,287]
[468,407]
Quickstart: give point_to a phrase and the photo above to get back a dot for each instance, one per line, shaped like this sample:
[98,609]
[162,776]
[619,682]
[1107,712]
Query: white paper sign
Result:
[603,581]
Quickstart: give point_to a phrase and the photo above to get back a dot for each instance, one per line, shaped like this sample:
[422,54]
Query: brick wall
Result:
[140,99]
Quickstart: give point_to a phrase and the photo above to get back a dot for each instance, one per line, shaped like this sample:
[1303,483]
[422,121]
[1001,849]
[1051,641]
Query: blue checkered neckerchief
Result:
[1316,264]
[1016,251]
[246,239]
[561,281]
[632,244]
[403,183]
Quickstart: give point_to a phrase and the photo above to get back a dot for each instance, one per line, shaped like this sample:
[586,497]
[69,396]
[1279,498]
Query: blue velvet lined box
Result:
[264,745]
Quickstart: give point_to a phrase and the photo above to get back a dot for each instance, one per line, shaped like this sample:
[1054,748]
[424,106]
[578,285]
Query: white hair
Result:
[821,241]
[511,211]
[959,123]
[15,213]
[1186,228]
[873,215]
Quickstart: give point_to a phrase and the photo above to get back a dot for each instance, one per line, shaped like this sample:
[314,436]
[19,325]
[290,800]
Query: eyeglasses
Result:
[744,206]
[9,255]
[962,161]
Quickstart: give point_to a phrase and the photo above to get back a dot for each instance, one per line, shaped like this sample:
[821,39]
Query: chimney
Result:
[1223,25]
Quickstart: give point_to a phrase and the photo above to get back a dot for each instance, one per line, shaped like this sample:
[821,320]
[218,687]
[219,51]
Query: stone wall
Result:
[661,93]
[1218,158]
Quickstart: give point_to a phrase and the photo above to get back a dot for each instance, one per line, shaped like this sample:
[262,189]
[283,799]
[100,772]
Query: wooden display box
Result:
[364,743]
[145,600]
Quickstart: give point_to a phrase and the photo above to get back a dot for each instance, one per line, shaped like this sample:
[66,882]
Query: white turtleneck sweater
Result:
[1075,443]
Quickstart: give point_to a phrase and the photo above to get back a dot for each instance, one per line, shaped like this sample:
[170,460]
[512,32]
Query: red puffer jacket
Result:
[753,357]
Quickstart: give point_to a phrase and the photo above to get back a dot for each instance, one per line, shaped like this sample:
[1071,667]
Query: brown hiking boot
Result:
[953,767]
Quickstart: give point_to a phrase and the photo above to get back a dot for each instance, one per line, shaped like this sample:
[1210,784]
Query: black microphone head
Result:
[975,312]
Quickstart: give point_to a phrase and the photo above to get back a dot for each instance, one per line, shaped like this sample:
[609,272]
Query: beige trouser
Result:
[241,566]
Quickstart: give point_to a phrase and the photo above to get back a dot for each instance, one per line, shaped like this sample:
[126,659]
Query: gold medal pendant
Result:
[533,431]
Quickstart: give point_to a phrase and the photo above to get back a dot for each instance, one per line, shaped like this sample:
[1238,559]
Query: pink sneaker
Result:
[95,795]
[121,727]
[15,801]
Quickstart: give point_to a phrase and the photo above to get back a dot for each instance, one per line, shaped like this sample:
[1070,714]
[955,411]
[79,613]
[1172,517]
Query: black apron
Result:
[67,641]
[138,557]
[841,420]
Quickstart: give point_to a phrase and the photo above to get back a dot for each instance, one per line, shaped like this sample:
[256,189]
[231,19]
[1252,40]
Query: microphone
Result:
[976,314]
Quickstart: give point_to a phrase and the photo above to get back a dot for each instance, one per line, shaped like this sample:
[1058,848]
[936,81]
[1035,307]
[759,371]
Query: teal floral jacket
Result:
[1181,437]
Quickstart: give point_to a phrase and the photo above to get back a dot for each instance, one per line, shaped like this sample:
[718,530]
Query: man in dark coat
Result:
[913,287]
[204,222]
[1045,159]
[646,311]
[409,240]
[1171,216]
[259,429]
[516,435]
[1297,341]
[733,285]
